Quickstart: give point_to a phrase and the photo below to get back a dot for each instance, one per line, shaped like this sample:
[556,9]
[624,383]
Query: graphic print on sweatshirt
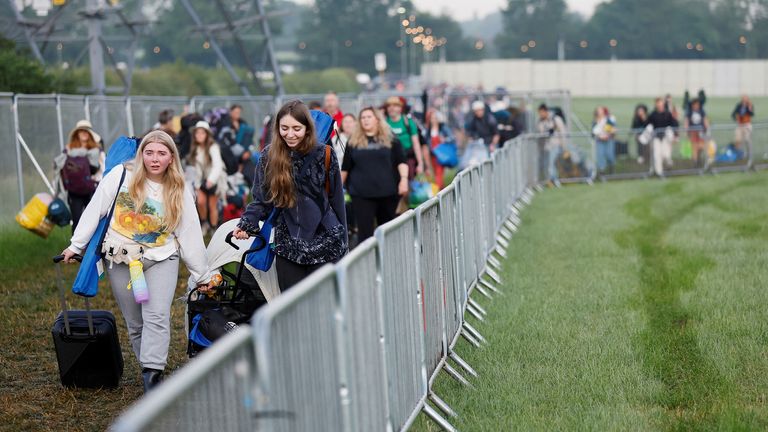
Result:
[145,226]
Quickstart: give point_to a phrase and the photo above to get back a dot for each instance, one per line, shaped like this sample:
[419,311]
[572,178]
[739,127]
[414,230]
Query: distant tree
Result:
[458,47]
[540,21]
[20,73]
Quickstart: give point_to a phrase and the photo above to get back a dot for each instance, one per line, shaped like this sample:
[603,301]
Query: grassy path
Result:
[629,306]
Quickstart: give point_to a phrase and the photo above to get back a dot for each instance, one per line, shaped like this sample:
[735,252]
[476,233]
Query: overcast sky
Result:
[466,9]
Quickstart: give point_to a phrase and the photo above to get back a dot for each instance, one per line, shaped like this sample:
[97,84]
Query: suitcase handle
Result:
[57,261]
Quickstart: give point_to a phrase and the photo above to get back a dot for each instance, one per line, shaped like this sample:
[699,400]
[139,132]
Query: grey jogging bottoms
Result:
[149,324]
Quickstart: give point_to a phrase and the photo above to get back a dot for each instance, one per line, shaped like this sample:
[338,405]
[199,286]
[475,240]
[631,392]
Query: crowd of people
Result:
[316,195]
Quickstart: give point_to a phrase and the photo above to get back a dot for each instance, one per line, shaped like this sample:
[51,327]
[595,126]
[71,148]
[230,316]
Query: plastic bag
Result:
[446,154]
[422,190]
[475,153]
[34,215]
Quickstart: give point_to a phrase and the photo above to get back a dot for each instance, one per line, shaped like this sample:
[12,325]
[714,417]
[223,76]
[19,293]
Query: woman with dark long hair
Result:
[375,171]
[300,179]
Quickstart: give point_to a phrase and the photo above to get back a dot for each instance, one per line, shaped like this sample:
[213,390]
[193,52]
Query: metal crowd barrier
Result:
[357,345]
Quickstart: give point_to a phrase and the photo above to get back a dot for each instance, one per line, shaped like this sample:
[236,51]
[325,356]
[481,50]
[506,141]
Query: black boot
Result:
[151,378]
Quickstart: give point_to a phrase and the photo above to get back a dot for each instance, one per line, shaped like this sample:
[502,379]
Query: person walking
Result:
[664,124]
[438,133]
[639,120]
[210,177]
[375,171]
[604,132]
[407,132]
[80,168]
[300,180]
[551,129]
[481,125]
[154,223]
[348,126]
[742,115]
[697,125]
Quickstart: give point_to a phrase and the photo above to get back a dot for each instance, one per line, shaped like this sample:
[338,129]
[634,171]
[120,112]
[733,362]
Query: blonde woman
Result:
[210,174]
[375,172]
[154,221]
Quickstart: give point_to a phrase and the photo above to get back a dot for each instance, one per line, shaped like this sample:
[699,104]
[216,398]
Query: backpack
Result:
[76,176]
[231,164]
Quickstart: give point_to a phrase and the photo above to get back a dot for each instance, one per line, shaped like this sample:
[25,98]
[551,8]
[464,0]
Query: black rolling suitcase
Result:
[86,343]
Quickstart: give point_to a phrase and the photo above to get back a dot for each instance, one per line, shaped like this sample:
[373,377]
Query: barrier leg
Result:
[462,363]
[500,251]
[477,307]
[493,275]
[469,338]
[456,375]
[437,418]
[442,405]
[493,262]
[490,286]
[503,243]
[482,291]
[505,234]
[475,334]
[475,313]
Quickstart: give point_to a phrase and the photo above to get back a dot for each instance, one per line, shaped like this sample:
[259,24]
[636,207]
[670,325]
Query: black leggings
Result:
[370,212]
[290,273]
[77,204]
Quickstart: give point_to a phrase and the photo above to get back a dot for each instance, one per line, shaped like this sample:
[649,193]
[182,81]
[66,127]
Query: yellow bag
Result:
[34,215]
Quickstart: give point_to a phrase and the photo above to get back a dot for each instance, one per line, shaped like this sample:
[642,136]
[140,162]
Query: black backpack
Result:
[231,164]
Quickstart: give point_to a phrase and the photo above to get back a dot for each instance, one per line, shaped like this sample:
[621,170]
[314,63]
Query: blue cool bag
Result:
[263,255]
[87,280]
[446,154]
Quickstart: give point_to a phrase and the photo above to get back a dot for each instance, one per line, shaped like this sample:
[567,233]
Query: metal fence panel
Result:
[40,130]
[360,297]
[255,108]
[9,182]
[449,249]
[72,110]
[297,345]
[403,327]
[433,295]
[213,392]
[146,109]
[109,117]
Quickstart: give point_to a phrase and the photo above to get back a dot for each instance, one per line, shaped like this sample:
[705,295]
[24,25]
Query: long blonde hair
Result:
[383,134]
[173,180]
[278,175]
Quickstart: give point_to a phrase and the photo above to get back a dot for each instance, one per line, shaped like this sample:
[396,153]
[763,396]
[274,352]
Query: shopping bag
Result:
[34,215]
[421,191]
[263,255]
[446,154]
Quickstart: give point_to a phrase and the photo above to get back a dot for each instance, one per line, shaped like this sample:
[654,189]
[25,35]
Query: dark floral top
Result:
[314,231]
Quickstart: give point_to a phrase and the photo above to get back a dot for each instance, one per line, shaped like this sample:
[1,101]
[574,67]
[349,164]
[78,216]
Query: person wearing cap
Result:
[84,145]
[210,177]
[481,125]
[407,133]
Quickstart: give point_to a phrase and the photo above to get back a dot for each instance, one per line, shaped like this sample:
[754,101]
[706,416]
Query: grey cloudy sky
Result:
[463,9]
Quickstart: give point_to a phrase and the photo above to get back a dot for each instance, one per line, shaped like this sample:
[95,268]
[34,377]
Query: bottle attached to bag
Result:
[138,284]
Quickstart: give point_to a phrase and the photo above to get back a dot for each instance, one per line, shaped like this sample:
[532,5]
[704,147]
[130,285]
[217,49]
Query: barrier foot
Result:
[477,307]
[519,206]
[500,251]
[505,234]
[503,243]
[475,313]
[514,219]
[512,209]
[470,339]
[437,418]
[453,373]
[526,199]
[475,334]
[482,291]
[442,405]
[509,225]
[493,262]
[490,286]
[493,275]
[462,364]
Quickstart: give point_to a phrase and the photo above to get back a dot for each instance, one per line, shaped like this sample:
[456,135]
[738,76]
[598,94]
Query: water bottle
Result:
[138,283]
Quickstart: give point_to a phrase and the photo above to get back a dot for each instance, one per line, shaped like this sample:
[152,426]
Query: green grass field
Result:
[628,306]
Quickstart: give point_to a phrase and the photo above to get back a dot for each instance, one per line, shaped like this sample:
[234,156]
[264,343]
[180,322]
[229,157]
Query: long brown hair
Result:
[278,175]
[173,180]
[204,147]
[383,134]
[74,140]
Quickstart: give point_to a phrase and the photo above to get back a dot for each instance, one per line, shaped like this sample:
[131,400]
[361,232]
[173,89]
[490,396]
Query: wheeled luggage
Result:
[86,343]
